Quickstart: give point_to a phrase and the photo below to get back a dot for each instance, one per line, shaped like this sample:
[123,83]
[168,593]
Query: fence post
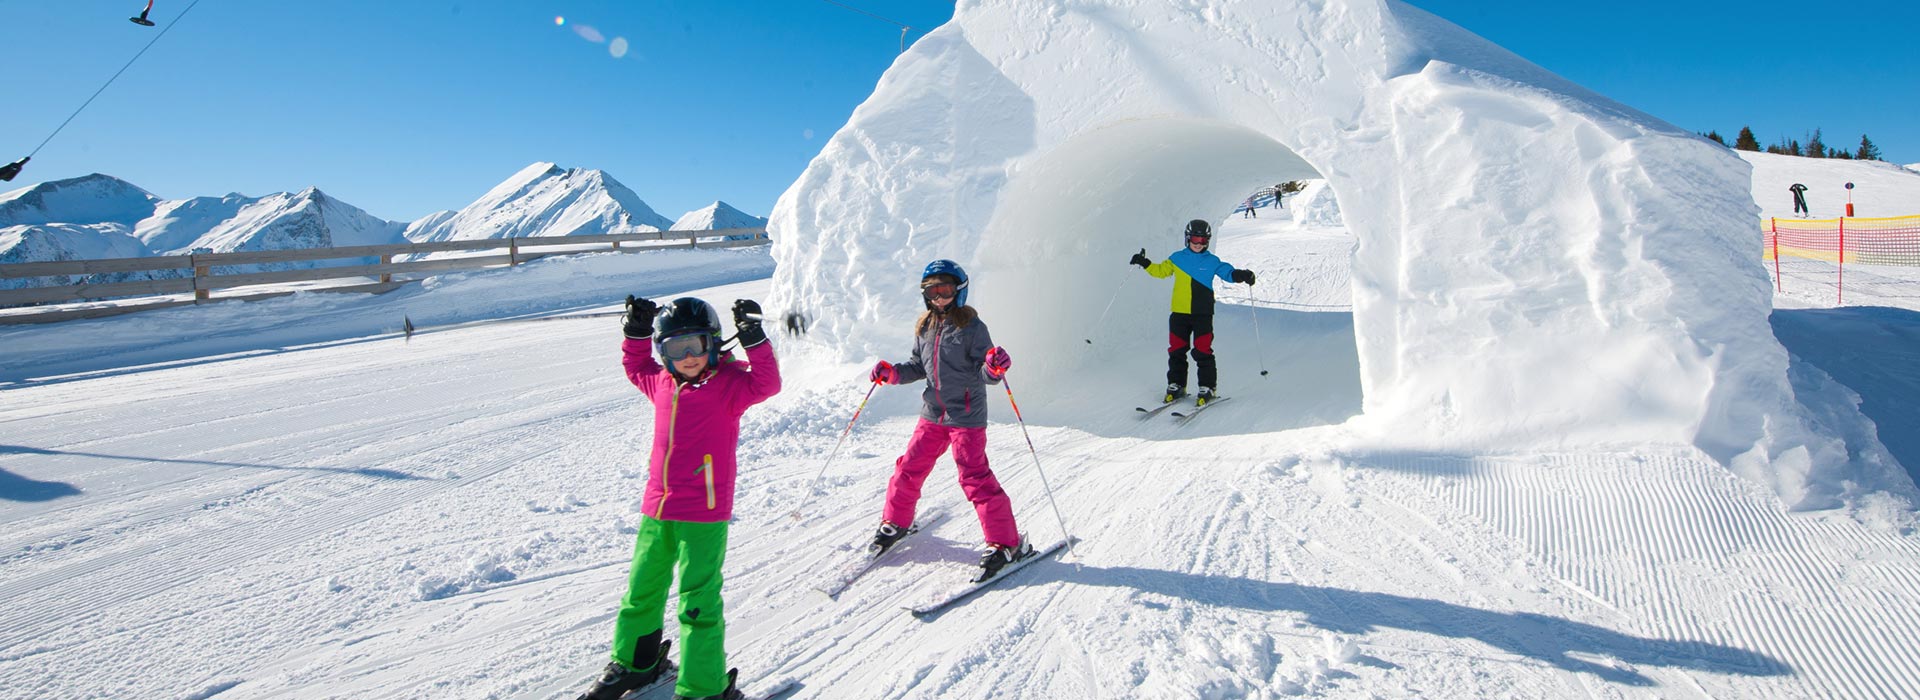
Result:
[693,239]
[1775,225]
[386,277]
[513,251]
[1841,292]
[200,275]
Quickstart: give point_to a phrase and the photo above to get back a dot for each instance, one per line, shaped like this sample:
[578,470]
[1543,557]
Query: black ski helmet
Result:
[952,269]
[1198,227]
[687,315]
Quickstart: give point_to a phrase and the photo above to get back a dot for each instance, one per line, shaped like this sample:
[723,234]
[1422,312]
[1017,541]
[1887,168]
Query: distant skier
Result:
[954,353]
[1252,208]
[698,399]
[1800,199]
[1190,326]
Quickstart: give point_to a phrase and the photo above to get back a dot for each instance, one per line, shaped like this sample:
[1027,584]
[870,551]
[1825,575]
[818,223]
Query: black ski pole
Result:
[1036,464]
[836,451]
[1103,314]
[1258,349]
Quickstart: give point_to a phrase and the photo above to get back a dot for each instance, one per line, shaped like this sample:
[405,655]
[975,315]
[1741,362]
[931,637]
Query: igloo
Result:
[1537,267]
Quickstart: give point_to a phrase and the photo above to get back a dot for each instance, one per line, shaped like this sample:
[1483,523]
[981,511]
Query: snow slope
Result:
[1515,230]
[717,215]
[452,516]
[544,199]
[1880,189]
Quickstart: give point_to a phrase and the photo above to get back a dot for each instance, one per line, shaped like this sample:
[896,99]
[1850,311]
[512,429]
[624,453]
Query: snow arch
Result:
[1538,266]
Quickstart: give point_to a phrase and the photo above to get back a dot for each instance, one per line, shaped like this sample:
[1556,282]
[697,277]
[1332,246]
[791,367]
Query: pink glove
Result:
[998,362]
[884,373]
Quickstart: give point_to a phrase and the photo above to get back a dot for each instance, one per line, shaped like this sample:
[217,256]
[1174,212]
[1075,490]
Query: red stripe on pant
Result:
[929,441]
[1176,342]
[1203,344]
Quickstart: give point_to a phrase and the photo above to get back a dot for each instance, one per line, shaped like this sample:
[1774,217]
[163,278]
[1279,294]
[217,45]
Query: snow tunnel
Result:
[1537,266]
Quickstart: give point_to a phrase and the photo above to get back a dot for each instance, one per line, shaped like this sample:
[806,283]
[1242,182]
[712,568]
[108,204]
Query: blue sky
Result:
[404,108]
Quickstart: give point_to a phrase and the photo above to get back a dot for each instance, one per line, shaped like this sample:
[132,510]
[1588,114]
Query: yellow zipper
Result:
[708,468]
[666,484]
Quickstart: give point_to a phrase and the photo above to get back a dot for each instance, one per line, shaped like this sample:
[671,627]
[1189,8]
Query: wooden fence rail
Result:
[202,280]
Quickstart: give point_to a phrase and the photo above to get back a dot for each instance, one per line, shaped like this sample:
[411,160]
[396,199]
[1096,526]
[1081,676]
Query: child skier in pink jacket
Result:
[698,398]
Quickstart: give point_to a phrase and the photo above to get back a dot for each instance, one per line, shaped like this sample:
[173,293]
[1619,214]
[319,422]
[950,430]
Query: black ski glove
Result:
[638,323]
[751,333]
[1243,277]
[1140,259]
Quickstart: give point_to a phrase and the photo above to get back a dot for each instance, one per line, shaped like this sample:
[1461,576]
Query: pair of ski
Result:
[868,561]
[1146,413]
[662,688]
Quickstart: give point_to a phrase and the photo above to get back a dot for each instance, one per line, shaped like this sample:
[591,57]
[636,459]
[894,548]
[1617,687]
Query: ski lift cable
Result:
[116,76]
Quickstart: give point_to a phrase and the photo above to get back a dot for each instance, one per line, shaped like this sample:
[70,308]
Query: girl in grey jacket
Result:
[954,353]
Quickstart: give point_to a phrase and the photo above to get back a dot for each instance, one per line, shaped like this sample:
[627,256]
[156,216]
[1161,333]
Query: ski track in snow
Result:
[452,517]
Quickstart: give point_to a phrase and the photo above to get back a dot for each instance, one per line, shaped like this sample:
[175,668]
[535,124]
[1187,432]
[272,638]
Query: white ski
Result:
[846,575]
[1184,417]
[947,598]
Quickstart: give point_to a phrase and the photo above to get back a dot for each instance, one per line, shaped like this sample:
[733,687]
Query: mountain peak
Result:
[717,215]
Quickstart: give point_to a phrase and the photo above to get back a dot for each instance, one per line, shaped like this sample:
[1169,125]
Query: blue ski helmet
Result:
[950,269]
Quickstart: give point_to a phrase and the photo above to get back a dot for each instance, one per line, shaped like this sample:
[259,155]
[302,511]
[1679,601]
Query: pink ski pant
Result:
[929,441]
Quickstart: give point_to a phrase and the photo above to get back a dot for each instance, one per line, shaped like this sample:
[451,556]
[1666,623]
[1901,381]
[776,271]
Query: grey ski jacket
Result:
[951,359]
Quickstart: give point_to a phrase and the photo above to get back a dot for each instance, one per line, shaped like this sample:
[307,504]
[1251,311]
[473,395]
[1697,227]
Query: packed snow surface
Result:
[323,512]
[291,498]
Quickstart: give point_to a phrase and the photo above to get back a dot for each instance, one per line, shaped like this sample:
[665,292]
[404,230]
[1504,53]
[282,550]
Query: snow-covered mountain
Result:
[58,242]
[305,219]
[91,199]
[717,215]
[544,199]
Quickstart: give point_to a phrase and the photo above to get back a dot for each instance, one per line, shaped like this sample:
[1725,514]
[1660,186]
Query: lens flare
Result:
[586,31]
[618,48]
[559,21]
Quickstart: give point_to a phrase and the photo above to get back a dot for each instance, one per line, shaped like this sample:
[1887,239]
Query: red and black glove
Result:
[884,373]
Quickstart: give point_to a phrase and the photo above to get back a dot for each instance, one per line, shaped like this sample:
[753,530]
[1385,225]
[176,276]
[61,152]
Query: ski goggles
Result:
[681,347]
[1202,240]
[939,290]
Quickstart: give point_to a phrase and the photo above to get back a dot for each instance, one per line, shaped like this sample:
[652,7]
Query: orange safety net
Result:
[1849,241]
[1842,242]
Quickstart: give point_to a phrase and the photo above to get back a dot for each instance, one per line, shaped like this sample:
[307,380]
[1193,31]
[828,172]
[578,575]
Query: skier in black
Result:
[1193,270]
[1800,199]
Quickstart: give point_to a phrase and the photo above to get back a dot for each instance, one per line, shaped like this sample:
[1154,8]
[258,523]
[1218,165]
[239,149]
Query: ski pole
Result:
[1103,314]
[1036,464]
[836,451]
[1258,351]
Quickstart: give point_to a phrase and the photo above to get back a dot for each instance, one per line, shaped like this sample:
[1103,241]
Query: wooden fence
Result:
[202,282]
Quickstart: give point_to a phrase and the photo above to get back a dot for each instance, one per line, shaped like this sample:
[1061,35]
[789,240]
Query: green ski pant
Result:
[699,549]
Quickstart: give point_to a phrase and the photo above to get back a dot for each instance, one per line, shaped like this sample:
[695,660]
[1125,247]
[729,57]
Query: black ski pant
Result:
[1190,332]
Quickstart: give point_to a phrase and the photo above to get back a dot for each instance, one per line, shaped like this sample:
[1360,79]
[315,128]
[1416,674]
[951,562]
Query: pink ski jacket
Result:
[696,429]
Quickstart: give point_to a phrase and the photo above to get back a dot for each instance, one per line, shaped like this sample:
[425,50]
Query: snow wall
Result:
[1538,267]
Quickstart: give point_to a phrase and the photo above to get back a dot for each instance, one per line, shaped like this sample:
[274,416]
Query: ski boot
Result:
[618,680]
[1175,392]
[731,693]
[884,538]
[997,557]
[1202,398]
